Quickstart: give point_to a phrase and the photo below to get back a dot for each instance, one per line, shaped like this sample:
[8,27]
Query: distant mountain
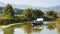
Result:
[19,8]
[17,11]
[1,9]
[55,8]
[44,9]
[16,8]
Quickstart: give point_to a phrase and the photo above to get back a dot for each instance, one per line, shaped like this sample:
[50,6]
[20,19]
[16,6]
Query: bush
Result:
[49,18]
[22,18]
[8,20]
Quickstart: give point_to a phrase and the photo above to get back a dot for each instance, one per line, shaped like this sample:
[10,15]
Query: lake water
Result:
[29,29]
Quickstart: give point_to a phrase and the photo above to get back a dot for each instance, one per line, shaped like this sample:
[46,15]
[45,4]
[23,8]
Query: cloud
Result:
[42,3]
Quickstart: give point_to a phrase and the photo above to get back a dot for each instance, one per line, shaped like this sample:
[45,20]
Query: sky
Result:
[38,3]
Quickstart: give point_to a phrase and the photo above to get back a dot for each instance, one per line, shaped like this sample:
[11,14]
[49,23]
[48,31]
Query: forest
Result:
[8,15]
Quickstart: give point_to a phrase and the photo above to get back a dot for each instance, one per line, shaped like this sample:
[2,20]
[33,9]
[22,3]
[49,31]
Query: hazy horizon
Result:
[38,3]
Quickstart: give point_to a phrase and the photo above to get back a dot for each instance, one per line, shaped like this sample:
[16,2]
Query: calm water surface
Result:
[28,29]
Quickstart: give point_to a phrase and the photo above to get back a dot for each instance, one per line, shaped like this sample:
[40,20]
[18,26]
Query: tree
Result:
[52,13]
[38,13]
[8,10]
[28,13]
[32,13]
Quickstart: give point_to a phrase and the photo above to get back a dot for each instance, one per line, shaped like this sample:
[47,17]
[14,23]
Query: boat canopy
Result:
[39,19]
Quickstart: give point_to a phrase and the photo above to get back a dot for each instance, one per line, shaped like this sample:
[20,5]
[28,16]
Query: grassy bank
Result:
[11,25]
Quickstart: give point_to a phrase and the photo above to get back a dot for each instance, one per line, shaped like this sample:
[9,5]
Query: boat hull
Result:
[37,23]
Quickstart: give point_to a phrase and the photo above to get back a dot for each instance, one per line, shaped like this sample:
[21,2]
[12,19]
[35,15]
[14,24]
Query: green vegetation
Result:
[58,20]
[51,26]
[28,14]
[8,15]
[50,15]
[32,14]
[8,10]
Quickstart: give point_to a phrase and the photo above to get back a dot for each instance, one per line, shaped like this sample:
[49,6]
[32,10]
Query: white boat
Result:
[38,21]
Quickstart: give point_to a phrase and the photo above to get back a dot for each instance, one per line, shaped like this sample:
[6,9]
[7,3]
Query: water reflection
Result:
[9,30]
[51,26]
[37,28]
[19,31]
[58,25]
[29,29]
[1,32]
[58,28]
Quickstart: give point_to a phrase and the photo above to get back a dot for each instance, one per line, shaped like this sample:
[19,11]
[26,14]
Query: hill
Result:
[19,8]
[55,8]
[17,11]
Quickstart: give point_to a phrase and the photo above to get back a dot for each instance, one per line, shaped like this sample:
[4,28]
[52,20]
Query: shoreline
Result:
[9,25]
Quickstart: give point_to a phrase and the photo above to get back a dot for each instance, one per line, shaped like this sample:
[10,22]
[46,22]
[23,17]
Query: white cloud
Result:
[42,3]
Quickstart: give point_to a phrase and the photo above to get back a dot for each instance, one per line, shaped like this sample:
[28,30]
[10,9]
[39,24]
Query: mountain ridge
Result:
[22,7]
